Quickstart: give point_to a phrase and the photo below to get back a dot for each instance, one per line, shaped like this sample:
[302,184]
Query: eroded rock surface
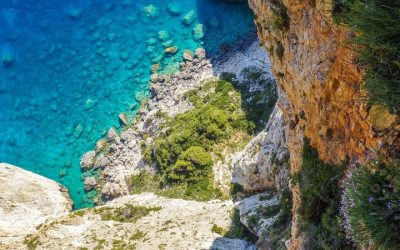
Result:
[170,224]
[26,201]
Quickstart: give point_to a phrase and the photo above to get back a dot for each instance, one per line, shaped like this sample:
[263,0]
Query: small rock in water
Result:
[124,56]
[213,22]
[171,50]
[155,67]
[150,11]
[111,37]
[123,119]
[174,9]
[154,77]
[190,17]
[100,144]
[63,173]
[74,13]
[90,183]
[151,41]
[87,160]
[200,53]
[90,103]
[78,131]
[112,134]
[187,55]
[198,31]
[8,61]
[163,35]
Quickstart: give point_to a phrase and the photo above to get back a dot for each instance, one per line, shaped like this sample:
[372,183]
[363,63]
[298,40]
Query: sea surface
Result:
[69,68]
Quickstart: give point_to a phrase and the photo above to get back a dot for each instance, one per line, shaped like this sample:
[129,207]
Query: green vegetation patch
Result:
[127,213]
[377,23]
[279,20]
[320,199]
[280,230]
[236,231]
[371,205]
[32,241]
[224,117]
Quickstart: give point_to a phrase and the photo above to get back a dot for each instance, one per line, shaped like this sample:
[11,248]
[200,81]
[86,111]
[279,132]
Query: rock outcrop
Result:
[264,163]
[320,87]
[26,201]
[162,223]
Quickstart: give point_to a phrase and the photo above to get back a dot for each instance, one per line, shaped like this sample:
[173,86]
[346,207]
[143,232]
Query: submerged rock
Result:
[190,17]
[8,61]
[171,50]
[27,200]
[150,11]
[187,55]
[174,9]
[198,32]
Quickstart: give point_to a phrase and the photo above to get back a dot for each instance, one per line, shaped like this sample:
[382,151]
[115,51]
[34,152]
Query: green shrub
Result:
[280,230]
[185,149]
[320,198]
[127,213]
[371,205]
[279,20]
[377,23]
[237,230]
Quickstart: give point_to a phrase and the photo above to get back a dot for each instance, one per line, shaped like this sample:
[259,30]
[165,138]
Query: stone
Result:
[123,55]
[171,50]
[123,119]
[164,35]
[154,77]
[74,13]
[8,61]
[187,55]
[27,200]
[200,53]
[174,9]
[90,183]
[87,160]
[198,31]
[190,17]
[100,145]
[112,134]
[155,67]
[150,11]
[101,162]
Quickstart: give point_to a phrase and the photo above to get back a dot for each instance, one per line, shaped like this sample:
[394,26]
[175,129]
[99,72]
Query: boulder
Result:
[190,17]
[90,183]
[123,119]
[87,160]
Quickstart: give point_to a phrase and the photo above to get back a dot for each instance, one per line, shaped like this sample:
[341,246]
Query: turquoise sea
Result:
[68,68]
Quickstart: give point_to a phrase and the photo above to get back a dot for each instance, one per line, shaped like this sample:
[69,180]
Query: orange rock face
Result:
[320,86]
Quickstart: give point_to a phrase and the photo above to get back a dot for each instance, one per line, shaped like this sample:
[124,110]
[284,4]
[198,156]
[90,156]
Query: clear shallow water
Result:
[70,67]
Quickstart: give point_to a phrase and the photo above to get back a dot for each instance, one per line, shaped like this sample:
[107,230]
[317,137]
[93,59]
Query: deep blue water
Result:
[70,67]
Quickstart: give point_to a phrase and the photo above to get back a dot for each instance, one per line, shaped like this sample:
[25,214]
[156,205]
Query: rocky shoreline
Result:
[119,155]
[259,172]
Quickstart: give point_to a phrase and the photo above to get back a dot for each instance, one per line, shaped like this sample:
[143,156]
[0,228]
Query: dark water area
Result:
[69,68]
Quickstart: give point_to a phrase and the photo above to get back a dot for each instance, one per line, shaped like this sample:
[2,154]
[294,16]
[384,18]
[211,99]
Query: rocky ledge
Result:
[26,201]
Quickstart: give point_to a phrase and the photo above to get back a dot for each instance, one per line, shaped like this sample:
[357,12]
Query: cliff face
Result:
[320,87]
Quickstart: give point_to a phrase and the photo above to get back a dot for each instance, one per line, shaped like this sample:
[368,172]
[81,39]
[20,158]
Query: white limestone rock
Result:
[26,201]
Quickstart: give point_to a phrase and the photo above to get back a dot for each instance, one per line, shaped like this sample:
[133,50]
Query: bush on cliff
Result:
[224,117]
[320,198]
[377,23]
[371,206]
